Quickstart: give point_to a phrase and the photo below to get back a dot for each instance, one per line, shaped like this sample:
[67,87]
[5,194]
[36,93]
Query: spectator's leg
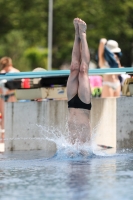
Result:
[2,119]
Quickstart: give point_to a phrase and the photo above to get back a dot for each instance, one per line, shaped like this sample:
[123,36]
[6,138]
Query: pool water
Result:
[39,175]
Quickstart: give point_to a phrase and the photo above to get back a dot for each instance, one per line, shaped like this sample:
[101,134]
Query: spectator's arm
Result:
[101,59]
[2,109]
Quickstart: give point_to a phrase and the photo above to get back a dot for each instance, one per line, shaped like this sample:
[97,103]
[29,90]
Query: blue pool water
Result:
[36,175]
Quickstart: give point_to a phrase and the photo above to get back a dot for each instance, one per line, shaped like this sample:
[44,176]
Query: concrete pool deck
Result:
[113,118]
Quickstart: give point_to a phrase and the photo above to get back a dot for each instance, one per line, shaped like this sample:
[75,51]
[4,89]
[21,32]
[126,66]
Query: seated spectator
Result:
[6,95]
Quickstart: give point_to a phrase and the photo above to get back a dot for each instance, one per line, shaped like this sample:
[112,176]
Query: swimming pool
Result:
[36,175]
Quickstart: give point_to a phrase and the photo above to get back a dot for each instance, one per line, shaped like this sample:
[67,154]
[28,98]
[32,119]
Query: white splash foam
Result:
[65,148]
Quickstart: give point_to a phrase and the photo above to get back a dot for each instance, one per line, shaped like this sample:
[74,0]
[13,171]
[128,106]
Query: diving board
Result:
[61,73]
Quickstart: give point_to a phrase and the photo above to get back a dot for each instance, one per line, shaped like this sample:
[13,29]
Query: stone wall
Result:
[26,123]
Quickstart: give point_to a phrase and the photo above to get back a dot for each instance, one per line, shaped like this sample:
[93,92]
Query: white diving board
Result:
[61,73]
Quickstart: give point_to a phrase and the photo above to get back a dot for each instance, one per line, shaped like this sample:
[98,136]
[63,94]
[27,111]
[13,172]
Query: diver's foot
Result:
[82,27]
[75,22]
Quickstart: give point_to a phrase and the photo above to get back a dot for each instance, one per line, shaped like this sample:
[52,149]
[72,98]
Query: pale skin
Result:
[11,99]
[106,90]
[78,83]
[7,69]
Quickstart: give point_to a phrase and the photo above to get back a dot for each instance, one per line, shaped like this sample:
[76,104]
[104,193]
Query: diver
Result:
[78,87]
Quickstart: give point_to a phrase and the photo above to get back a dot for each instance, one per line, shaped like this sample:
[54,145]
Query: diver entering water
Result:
[78,87]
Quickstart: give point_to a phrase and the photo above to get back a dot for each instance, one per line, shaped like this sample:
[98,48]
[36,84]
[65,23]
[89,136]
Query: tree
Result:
[104,18]
[13,45]
[37,57]
[109,19]
[23,25]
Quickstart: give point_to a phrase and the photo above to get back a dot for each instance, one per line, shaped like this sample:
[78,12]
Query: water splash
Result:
[65,150]
[60,135]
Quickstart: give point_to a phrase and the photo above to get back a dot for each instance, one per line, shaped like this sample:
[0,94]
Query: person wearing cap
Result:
[109,55]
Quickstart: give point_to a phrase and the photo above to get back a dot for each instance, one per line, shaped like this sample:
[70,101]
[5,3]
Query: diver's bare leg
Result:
[84,91]
[72,84]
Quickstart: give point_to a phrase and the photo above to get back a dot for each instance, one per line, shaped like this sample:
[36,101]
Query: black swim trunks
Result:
[75,102]
[7,96]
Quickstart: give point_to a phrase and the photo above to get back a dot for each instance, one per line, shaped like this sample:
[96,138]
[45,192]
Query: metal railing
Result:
[54,73]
